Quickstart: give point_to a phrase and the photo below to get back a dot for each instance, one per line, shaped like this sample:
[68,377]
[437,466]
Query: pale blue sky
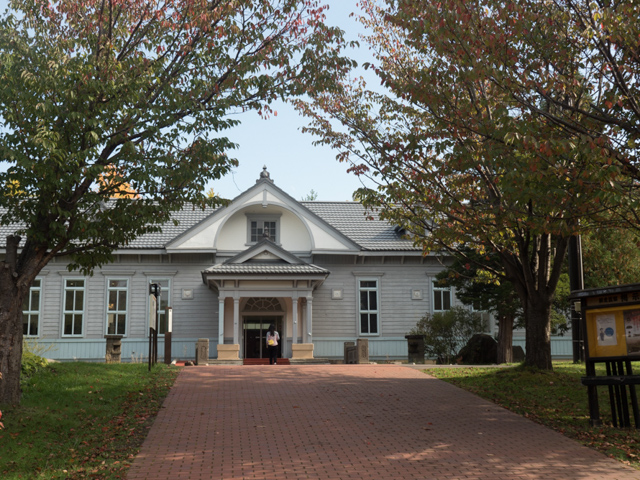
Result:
[294,163]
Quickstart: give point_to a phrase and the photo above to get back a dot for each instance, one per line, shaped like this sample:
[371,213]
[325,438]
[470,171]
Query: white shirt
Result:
[275,337]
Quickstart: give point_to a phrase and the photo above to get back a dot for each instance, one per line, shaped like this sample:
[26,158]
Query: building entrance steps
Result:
[329,422]
[264,361]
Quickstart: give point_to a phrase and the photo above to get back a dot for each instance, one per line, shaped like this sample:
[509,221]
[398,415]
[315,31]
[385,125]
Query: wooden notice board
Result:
[614,332]
[613,325]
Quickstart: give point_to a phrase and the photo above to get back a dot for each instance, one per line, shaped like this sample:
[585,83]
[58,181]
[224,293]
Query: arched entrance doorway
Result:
[257,315]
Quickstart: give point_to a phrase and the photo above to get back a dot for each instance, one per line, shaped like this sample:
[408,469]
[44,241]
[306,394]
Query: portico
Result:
[264,280]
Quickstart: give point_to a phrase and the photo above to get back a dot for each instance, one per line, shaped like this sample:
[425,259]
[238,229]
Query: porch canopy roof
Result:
[264,279]
[265,269]
[264,266]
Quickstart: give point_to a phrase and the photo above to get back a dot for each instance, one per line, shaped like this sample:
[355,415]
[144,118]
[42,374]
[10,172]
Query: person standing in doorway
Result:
[272,344]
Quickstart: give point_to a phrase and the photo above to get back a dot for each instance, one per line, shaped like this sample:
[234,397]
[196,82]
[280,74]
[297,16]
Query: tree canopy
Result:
[113,113]
[611,257]
[138,92]
[490,134]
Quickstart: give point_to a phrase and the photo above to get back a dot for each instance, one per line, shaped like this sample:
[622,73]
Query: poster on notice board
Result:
[632,331]
[606,328]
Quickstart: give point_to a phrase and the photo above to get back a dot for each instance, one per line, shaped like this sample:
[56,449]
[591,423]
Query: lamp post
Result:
[576,282]
[154,292]
[167,336]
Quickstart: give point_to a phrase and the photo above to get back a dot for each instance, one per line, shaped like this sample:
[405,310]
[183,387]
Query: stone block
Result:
[346,347]
[114,348]
[351,355]
[481,349]
[202,351]
[362,350]
[518,354]
[302,351]
[229,351]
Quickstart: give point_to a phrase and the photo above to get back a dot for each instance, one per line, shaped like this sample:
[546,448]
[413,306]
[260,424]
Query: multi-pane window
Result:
[263,228]
[163,302]
[31,310]
[263,225]
[441,299]
[73,313]
[117,292]
[368,311]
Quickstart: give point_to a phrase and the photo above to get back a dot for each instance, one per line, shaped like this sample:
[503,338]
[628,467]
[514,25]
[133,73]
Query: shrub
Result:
[31,360]
[445,333]
[31,363]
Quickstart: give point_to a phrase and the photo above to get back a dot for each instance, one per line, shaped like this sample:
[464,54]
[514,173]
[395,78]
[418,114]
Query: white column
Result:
[295,319]
[236,321]
[220,320]
[309,318]
[302,320]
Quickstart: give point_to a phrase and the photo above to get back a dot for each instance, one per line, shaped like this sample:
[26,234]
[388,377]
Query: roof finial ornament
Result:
[264,174]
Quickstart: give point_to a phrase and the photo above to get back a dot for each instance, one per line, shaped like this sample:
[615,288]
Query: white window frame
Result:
[30,312]
[164,291]
[74,312]
[439,291]
[369,311]
[260,219]
[120,311]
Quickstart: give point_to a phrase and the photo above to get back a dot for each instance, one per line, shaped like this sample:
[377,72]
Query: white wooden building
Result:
[323,272]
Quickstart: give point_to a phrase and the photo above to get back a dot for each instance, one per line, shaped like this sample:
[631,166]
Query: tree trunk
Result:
[10,326]
[534,272]
[16,275]
[10,340]
[505,339]
[538,332]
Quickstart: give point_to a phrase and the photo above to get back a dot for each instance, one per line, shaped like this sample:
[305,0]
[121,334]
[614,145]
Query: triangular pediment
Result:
[265,251]
[300,230]
[265,259]
[265,256]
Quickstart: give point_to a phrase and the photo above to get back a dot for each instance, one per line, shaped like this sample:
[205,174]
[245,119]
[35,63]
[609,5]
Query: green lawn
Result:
[81,420]
[555,399]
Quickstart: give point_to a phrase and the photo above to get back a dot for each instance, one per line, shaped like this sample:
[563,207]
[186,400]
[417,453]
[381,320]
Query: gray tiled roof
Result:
[363,227]
[186,219]
[348,218]
[265,268]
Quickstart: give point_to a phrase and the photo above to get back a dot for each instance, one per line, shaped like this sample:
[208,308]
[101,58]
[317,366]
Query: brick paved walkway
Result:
[349,422]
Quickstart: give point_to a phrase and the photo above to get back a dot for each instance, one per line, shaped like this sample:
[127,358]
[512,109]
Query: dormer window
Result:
[263,226]
[260,230]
